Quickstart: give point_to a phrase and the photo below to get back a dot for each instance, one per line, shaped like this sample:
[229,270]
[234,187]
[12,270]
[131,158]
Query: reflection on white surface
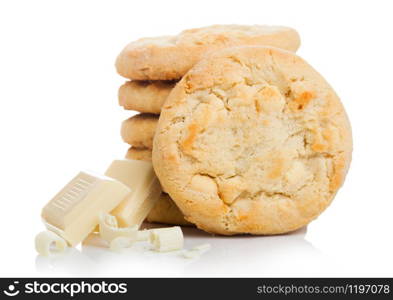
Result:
[72,262]
[262,255]
[229,256]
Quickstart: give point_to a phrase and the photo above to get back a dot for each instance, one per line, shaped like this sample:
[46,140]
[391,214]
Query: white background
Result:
[59,115]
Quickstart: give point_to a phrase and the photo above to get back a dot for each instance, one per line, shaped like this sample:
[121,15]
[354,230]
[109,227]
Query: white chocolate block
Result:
[167,239]
[145,187]
[74,212]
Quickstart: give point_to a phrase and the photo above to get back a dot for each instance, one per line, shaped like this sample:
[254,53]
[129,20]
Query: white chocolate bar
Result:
[146,190]
[74,212]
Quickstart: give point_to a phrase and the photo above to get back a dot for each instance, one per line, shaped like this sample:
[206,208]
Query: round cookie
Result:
[170,57]
[144,96]
[252,140]
[138,154]
[139,130]
[165,211]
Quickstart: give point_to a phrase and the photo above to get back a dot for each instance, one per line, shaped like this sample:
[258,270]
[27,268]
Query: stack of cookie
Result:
[153,66]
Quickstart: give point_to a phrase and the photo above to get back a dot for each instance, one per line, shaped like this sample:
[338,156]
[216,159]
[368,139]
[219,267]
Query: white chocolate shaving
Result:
[121,242]
[167,239]
[109,229]
[143,235]
[196,251]
[44,241]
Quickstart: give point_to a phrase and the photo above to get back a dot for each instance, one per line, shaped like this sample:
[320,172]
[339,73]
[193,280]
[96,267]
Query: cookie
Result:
[170,57]
[139,154]
[144,96]
[252,140]
[139,130]
[166,212]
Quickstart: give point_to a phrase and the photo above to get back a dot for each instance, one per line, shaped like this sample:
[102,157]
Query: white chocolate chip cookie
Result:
[252,140]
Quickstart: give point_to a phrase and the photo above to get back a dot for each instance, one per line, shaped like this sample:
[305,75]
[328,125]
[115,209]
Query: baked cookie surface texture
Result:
[252,140]
[138,154]
[170,57]
[139,130]
[166,212]
[144,96]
